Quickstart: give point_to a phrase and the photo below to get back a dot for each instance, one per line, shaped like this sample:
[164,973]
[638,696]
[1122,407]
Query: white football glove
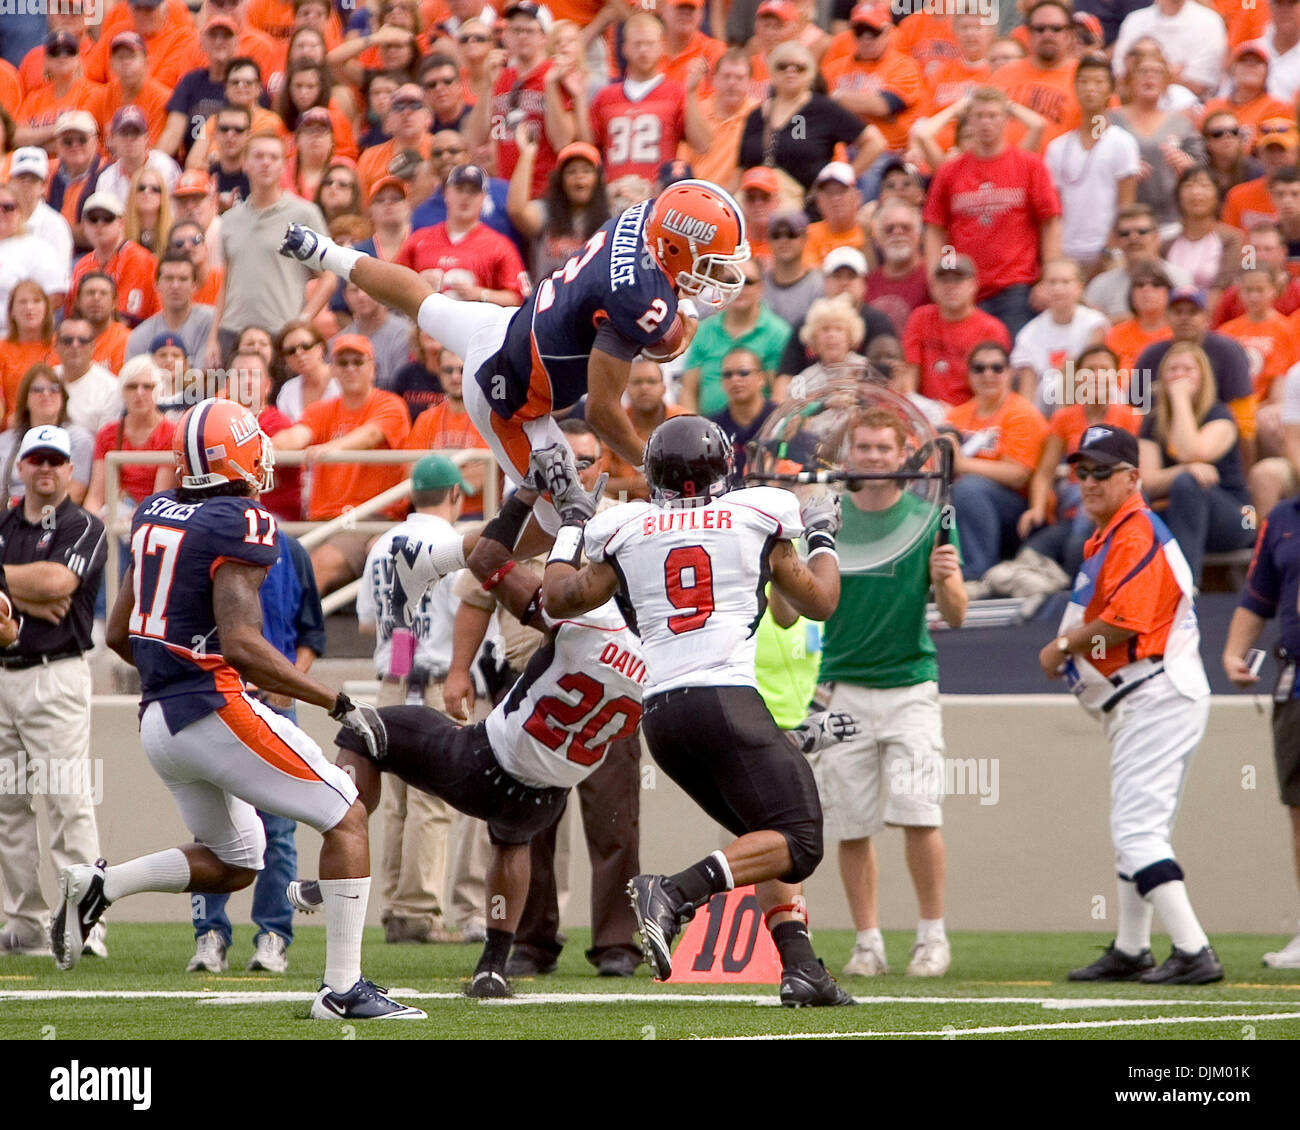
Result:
[417,567]
[556,473]
[364,721]
[818,731]
[305,245]
[821,514]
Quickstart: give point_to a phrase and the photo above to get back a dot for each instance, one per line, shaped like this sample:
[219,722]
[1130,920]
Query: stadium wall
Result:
[1026,828]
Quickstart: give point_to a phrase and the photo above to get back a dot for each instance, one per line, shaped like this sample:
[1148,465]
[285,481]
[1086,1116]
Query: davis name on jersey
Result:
[695,577]
[176,548]
[580,691]
[613,296]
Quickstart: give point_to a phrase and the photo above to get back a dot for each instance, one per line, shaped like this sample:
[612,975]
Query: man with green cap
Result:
[411,664]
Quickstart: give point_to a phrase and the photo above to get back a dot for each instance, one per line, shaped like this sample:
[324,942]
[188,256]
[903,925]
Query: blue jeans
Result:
[1010,306]
[986,516]
[1204,520]
[272,910]
[1064,541]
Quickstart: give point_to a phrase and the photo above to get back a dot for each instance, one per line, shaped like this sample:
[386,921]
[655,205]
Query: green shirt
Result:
[712,343]
[785,667]
[877,636]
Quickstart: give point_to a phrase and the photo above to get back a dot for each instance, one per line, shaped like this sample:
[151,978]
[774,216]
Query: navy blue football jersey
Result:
[613,296]
[176,548]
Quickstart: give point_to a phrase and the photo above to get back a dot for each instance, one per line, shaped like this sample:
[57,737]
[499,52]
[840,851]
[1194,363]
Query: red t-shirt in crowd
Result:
[636,136]
[512,94]
[137,481]
[992,210]
[492,259]
[897,298]
[940,349]
[284,500]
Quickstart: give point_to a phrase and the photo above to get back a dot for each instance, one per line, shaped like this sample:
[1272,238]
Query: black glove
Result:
[817,731]
[364,721]
[556,472]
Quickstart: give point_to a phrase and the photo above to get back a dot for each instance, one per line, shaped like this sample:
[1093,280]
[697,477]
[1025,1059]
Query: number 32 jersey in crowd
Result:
[580,691]
[695,577]
[612,296]
[176,548]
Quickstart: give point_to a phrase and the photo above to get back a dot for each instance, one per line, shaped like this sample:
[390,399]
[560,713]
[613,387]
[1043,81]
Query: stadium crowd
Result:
[1093,219]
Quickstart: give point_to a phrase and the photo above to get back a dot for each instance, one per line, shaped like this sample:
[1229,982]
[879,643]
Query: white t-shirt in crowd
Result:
[1194,39]
[25,257]
[93,399]
[52,229]
[290,399]
[1048,347]
[1088,182]
[114,180]
[1283,69]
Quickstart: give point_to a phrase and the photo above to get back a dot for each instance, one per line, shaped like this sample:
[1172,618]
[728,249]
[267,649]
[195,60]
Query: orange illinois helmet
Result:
[219,441]
[696,231]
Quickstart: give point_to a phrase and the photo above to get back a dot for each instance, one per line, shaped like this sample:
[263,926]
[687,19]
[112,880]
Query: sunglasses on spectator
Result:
[434,83]
[450,151]
[1226,131]
[98,218]
[784,233]
[1101,474]
[790,65]
[405,105]
[898,229]
[45,390]
[301,347]
[62,52]
[75,339]
[1049,29]
[859,30]
[727,374]
[73,138]
[989,367]
[181,242]
[473,39]
[232,129]
[46,459]
[1134,233]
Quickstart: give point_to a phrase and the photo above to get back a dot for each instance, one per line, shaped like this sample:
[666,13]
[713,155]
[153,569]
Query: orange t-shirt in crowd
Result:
[1045,90]
[893,73]
[1015,430]
[927,38]
[168,51]
[11,87]
[1128,339]
[338,487]
[118,18]
[16,357]
[132,268]
[822,241]
[950,82]
[276,18]
[721,163]
[110,347]
[1249,203]
[442,427]
[32,69]
[374,161]
[701,46]
[1272,347]
[267,53]
[209,288]
[1245,21]
[1069,423]
[264,121]
[1250,114]
[42,107]
[152,100]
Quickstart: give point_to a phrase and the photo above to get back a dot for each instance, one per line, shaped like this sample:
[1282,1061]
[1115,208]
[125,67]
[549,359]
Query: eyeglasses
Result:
[405,106]
[473,39]
[73,138]
[154,188]
[246,81]
[439,154]
[1101,474]
[44,390]
[988,367]
[1049,29]
[74,339]
[180,243]
[727,374]
[1134,233]
[46,459]
[1222,132]
[61,53]
[790,65]
[301,347]
[434,83]
[98,218]
[232,129]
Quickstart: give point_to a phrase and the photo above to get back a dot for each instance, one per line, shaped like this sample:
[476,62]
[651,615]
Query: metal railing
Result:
[310,534]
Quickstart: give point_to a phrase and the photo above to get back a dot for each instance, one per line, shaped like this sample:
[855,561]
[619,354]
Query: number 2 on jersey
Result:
[551,708]
[688,578]
[569,272]
[148,541]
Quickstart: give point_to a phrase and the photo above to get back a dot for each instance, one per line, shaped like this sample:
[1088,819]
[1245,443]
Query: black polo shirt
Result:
[69,537]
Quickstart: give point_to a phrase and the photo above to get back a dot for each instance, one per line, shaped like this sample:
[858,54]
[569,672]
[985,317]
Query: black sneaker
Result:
[617,963]
[658,917]
[525,965]
[810,986]
[489,984]
[364,1001]
[82,886]
[1182,968]
[1115,965]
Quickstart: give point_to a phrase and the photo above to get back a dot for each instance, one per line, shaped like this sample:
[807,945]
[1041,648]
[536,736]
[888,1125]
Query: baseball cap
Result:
[31,160]
[1252,48]
[62,39]
[46,437]
[103,202]
[221,22]
[1106,445]
[389,182]
[408,92]
[957,265]
[1086,21]
[144,3]
[76,120]
[1188,294]
[129,39]
[316,116]
[761,178]
[840,257]
[530,9]
[841,172]
[670,172]
[783,10]
[873,15]
[470,175]
[353,343]
[436,472]
[193,182]
[578,149]
[795,221]
[165,339]
[687,3]
[128,118]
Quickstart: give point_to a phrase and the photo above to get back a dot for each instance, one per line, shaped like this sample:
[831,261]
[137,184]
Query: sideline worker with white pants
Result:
[1128,646]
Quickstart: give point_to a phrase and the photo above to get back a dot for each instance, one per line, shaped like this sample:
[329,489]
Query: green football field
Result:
[1001,986]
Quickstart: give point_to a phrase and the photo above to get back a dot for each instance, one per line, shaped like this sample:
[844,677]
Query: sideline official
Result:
[52,553]
[1128,646]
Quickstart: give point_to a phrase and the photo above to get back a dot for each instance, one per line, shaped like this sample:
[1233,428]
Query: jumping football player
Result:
[580,329]
[692,565]
[189,618]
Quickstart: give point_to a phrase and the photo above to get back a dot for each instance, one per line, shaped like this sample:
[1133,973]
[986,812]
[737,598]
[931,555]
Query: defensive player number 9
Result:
[568,714]
[688,579]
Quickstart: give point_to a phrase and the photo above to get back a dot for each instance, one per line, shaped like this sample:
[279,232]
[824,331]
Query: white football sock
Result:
[1133,933]
[871,938]
[931,930]
[1179,919]
[167,871]
[345,918]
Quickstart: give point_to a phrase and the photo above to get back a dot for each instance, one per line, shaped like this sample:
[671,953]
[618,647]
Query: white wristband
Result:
[567,543]
[687,306]
[824,549]
[341,260]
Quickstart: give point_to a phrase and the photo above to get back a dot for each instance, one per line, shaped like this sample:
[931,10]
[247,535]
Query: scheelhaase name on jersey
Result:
[627,246]
[702,519]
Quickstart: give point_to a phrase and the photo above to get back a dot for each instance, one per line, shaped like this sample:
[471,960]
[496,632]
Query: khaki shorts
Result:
[352,546]
[893,771]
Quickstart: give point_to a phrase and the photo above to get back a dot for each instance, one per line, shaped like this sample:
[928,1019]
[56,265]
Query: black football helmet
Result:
[688,457]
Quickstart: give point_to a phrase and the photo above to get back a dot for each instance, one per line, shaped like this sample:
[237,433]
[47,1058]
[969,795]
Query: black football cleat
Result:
[364,1001]
[489,984]
[658,917]
[82,887]
[810,986]
[1115,965]
[1183,968]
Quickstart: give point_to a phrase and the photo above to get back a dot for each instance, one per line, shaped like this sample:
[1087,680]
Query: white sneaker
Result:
[1286,958]
[95,945]
[930,958]
[866,961]
[475,930]
[269,956]
[209,954]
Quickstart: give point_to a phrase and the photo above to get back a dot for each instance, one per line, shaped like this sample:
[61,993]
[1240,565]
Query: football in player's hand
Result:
[667,347]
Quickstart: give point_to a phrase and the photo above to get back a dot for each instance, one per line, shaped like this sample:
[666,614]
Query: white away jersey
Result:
[580,691]
[694,577]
